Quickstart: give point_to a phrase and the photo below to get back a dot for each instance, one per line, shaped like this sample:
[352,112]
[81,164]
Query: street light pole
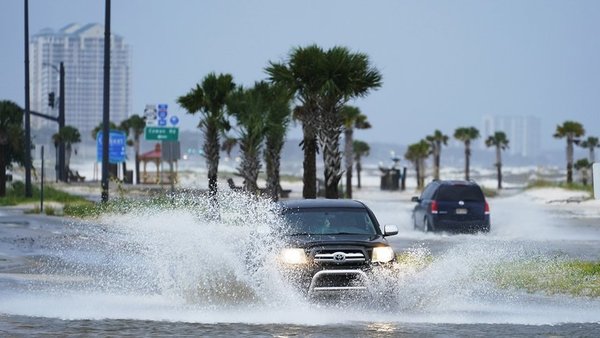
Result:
[61,123]
[106,103]
[28,191]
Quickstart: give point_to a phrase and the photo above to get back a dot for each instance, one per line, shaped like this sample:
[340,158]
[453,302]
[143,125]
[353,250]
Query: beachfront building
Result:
[81,49]
[523,133]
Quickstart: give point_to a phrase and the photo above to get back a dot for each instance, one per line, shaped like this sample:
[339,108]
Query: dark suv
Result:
[453,206]
[332,245]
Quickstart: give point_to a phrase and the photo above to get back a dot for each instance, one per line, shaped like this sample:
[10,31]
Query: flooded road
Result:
[172,271]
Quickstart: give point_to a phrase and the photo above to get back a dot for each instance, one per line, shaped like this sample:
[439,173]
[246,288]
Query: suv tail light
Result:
[434,207]
[487,208]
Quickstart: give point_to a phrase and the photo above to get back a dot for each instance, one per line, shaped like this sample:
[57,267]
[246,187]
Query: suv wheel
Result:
[426,226]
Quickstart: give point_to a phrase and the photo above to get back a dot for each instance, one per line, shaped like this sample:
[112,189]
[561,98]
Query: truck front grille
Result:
[340,257]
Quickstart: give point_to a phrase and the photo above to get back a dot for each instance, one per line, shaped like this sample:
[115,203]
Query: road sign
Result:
[162,122]
[162,114]
[174,120]
[116,146]
[161,133]
[170,151]
[150,115]
[162,107]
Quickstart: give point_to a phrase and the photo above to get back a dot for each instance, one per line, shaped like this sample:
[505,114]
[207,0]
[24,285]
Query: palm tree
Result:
[347,76]
[591,143]
[466,135]
[359,149]
[277,123]
[302,76]
[571,131]
[582,166]
[98,128]
[499,141]
[209,99]
[437,140]
[249,107]
[353,119]
[11,139]
[68,135]
[135,124]
[417,153]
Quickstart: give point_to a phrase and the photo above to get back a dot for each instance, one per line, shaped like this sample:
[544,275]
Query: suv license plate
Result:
[461,211]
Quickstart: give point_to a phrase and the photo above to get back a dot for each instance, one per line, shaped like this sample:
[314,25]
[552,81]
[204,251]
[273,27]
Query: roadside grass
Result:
[15,195]
[569,186]
[576,278]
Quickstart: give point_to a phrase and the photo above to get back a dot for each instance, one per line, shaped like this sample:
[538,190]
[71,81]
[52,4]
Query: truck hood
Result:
[306,241]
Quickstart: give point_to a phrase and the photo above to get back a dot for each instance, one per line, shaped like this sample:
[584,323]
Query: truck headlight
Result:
[382,254]
[293,256]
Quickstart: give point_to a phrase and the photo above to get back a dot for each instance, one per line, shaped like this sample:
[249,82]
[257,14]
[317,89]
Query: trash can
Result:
[128,179]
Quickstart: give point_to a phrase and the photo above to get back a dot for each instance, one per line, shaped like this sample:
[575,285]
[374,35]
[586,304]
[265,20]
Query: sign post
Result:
[596,180]
[159,131]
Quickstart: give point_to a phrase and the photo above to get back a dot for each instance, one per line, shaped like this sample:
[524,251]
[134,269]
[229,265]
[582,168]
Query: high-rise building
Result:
[523,133]
[81,49]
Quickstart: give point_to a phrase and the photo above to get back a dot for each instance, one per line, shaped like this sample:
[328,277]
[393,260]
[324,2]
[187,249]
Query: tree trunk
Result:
[332,157]
[499,166]
[211,152]
[418,170]
[422,169]
[349,157]
[68,149]
[358,170]
[467,159]
[249,168]
[436,160]
[569,159]
[309,176]
[136,146]
[273,159]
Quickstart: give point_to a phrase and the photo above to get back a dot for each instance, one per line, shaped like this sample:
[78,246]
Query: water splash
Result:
[185,260]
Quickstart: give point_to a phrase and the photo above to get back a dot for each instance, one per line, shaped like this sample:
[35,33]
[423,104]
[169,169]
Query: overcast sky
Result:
[445,64]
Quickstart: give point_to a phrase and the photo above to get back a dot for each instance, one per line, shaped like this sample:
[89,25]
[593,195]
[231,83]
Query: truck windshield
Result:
[329,222]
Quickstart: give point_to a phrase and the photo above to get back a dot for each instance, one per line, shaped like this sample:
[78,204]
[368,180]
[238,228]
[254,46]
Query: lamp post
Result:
[61,118]
[28,190]
[106,103]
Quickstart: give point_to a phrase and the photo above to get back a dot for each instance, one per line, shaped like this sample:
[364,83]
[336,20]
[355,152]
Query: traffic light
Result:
[51,100]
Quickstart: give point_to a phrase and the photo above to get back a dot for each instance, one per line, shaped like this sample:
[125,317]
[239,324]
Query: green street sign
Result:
[161,134]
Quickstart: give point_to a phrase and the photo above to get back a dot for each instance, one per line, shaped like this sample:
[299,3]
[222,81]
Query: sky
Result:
[445,64]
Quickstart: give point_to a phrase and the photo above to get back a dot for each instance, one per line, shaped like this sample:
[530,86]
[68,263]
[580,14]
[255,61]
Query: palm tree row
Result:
[322,82]
[418,152]
[262,116]
[319,82]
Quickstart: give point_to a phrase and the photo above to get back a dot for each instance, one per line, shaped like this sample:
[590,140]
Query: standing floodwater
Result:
[179,267]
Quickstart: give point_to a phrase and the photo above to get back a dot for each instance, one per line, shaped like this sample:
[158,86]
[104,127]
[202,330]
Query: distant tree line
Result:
[431,145]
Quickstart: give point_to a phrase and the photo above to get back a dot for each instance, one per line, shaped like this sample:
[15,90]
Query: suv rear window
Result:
[459,193]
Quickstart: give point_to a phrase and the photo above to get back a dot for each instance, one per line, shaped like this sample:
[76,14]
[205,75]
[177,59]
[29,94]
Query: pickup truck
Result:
[332,246]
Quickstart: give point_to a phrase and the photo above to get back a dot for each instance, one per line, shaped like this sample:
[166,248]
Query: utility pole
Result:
[106,102]
[61,124]
[28,191]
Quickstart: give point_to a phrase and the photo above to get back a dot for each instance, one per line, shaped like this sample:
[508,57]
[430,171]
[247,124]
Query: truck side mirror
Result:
[390,230]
